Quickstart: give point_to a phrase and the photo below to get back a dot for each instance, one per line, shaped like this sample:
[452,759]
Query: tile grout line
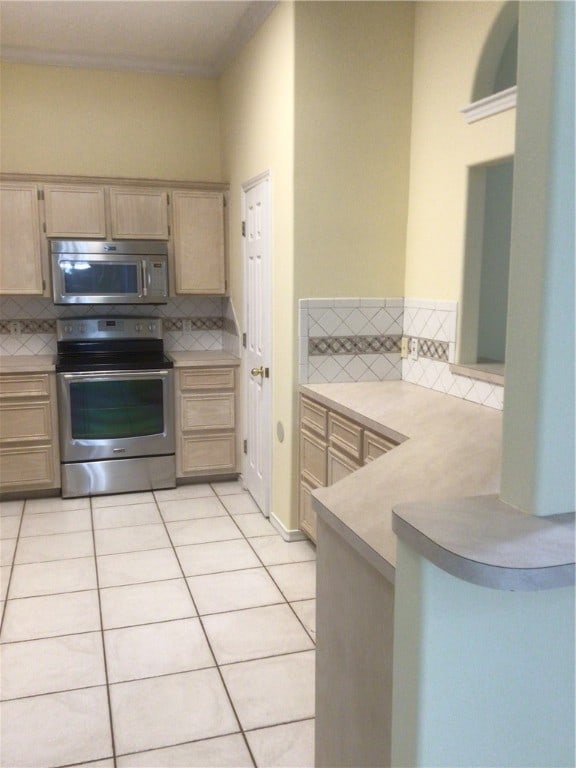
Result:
[243,536]
[217,666]
[12,564]
[105,661]
[266,567]
[247,539]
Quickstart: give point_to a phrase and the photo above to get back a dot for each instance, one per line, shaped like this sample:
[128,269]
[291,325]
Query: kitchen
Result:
[267,111]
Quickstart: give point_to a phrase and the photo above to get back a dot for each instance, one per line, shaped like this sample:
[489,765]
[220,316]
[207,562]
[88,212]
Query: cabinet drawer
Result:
[375,445]
[313,416]
[207,411]
[207,454]
[30,466]
[206,378]
[27,420]
[313,459]
[30,385]
[340,466]
[345,434]
[307,514]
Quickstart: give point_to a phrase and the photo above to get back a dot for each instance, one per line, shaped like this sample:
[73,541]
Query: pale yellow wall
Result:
[60,120]
[257,107]
[352,131]
[449,37]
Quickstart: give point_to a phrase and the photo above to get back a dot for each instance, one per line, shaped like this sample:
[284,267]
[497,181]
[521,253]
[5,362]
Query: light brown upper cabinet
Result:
[80,211]
[35,209]
[20,241]
[139,214]
[75,210]
[198,236]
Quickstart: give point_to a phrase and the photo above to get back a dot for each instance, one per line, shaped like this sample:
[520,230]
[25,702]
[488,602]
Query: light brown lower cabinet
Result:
[29,455]
[307,514]
[332,446]
[206,422]
[339,466]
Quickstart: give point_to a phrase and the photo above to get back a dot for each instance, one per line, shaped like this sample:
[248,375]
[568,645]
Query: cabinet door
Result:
[375,446]
[20,243]
[307,514]
[339,466]
[74,210]
[28,420]
[313,416]
[346,435]
[29,467]
[16,385]
[207,454]
[139,214]
[312,458]
[198,234]
[212,410]
[206,378]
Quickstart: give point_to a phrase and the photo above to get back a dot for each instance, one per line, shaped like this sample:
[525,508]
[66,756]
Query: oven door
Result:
[116,415]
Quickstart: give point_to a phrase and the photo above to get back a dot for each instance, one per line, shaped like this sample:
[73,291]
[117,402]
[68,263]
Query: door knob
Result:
[257,371]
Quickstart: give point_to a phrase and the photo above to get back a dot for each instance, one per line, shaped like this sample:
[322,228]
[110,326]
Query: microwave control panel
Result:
[157,278]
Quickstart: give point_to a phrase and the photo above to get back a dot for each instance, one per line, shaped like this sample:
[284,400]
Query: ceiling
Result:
[192,37]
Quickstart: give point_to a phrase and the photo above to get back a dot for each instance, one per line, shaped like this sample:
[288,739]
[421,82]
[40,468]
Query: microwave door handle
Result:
[144,278]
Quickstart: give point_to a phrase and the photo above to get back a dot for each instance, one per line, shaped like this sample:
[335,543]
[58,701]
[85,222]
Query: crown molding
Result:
[62,59]
[491,105]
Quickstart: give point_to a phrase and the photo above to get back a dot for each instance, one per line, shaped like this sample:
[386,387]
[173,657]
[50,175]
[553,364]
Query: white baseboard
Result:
[287,534]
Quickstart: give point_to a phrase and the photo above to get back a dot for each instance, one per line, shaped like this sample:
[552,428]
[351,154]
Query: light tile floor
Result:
[173,628]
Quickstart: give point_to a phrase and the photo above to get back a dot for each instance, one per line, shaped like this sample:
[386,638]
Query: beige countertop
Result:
[490,543]
[202,358]
[438,491]
[451,449]
[27,363]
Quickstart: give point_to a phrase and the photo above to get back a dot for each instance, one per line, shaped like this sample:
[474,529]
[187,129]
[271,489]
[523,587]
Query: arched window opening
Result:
[496,69]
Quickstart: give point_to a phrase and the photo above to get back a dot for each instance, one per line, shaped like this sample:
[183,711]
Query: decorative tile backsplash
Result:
[349,339]
[340,340]
[434,324]
[28,324]
[360,340]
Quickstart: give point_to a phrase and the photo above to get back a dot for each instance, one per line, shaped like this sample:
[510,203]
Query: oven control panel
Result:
[101,328]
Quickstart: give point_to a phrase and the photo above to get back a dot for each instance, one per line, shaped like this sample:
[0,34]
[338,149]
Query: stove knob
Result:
[82,328]
[67,328]
[151,327]
[138,327]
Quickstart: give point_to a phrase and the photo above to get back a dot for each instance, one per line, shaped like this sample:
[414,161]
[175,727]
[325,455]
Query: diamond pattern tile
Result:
[349,339]
[190,323]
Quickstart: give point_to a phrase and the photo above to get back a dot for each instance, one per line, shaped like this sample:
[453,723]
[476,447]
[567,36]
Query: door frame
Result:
[246,186]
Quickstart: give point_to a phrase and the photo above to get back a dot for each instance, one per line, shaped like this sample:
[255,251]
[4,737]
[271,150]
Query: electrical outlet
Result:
[404,346]
[14,328]
[413,349]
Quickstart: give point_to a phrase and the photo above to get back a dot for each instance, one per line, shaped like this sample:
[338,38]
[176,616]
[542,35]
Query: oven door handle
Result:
[106,375]
[144,278]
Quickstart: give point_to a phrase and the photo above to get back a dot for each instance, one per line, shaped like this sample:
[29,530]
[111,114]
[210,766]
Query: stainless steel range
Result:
[115,406]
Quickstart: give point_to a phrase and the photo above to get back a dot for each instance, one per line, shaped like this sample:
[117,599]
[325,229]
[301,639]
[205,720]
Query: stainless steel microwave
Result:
[98,272]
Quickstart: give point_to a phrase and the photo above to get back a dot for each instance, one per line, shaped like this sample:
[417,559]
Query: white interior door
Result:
[257,353]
